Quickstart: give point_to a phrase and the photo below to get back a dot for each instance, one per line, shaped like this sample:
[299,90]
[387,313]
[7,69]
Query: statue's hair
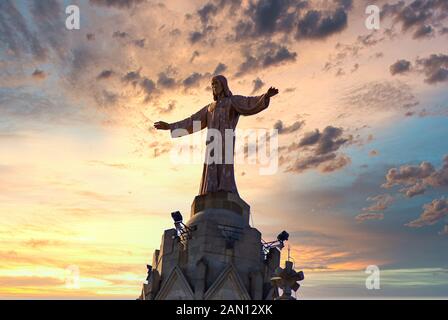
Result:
[225,86]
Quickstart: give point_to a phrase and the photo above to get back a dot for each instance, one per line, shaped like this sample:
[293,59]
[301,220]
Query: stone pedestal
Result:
[220,258]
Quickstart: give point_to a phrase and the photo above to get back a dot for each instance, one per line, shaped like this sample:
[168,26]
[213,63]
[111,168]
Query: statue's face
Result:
[217,87]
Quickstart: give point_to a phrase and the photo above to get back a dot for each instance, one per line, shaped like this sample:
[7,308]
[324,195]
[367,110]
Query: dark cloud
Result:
[265,18]
[316,150]
[196,36]
[206,12]
[250,64]
[123,35]
[310,138]
[433,212]
[105,74]
[329,140]
[194,55]
[423,31]
[220,68]
[417,15]
[139,43]
[175,32]
[265,55]
[417,178]
[120,34]
[131,77]
[311,162]
[165,81]
[369,40]
[282,129]
[258,84]
[435,68]
[399,67]
[315,25]
[325,163]
[209,10]
[346,4]
[269,16]
[279,56]
[409,15]
[194,80]
[339,162]
[39,74]
[441,75]
[408,174]
[149,87]
[243,30]
[120,4]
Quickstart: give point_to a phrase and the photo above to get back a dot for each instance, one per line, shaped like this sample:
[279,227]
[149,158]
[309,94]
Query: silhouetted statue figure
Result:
[221,114]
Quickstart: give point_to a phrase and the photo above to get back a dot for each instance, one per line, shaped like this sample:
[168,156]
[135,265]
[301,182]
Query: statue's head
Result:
[220,87]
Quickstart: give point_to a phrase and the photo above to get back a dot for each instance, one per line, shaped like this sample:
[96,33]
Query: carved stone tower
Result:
[216,255]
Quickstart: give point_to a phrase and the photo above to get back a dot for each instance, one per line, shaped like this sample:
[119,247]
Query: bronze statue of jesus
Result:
[220,115]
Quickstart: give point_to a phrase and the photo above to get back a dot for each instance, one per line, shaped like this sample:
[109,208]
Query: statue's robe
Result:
[220,115]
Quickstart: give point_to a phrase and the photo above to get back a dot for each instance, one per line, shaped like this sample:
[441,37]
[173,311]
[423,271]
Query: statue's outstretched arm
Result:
[195,122]
[247,106]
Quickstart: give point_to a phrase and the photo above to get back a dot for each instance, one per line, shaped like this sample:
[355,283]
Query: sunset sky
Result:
[87,183]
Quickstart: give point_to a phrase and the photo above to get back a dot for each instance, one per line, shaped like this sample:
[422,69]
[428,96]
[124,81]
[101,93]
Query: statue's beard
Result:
[216,94]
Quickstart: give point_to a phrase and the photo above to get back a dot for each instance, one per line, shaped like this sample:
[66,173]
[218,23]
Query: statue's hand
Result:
[272,92]
[161,125]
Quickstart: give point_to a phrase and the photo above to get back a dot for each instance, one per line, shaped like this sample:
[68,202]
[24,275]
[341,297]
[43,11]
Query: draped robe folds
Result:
[220,115]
